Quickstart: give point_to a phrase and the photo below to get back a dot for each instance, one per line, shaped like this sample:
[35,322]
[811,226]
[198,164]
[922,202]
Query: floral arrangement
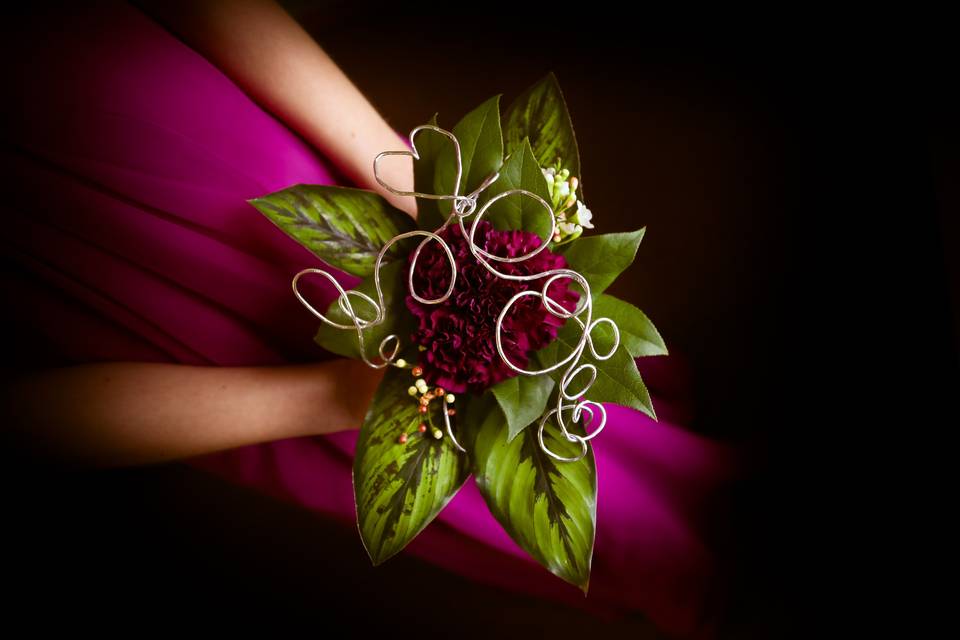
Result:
[482,309]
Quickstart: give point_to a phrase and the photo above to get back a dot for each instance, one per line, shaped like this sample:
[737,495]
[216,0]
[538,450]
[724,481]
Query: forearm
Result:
[265,51]
[127,413]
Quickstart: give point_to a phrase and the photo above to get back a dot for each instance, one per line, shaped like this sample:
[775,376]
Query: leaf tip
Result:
[584,585]
[652,413]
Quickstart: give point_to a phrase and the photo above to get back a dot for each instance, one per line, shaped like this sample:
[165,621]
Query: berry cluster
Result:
[424,396]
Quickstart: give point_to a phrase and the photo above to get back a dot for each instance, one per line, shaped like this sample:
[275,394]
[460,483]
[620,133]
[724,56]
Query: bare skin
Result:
[127,413]
[267,53]
[132,413]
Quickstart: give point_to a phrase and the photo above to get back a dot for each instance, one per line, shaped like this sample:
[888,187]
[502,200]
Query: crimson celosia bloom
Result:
[458,333]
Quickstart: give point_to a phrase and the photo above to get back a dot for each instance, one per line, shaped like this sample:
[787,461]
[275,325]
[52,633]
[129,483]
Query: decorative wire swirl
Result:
[463,206]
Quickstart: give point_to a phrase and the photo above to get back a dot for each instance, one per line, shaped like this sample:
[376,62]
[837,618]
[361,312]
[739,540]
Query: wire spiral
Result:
[463,206]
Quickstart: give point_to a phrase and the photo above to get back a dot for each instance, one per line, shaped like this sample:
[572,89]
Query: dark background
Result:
[797,178]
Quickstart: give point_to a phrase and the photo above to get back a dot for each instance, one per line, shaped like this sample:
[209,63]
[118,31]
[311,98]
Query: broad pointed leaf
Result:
[346,228]
[601,258]
[637,333]
[547,506]
[481,149]
[518,211]
[523,399]
[400,488]
[618,379]
[397,320]
[541,115]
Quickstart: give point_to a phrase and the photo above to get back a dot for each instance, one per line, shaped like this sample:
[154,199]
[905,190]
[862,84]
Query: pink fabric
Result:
[126,163]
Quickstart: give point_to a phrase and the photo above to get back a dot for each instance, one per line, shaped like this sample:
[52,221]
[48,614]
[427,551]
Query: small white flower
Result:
[584,215]
[566,228]
[564,188]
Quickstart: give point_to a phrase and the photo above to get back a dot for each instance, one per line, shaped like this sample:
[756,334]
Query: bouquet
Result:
[483,311]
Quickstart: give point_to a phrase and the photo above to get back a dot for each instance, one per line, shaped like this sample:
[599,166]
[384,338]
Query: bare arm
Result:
[122,413]
[266,52]
[129,413]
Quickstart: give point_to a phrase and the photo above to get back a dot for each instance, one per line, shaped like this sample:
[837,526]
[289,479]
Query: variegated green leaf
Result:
[346,228]
[481,150]
[547,506]
[400,488]
[520,171]
[541,115]
[522,399]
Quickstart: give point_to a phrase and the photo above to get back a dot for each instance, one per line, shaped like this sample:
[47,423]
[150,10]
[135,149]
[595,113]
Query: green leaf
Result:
[540,114]
[400,488]
[618,379]
[637,333]
[481,150]
[601,258]
[547,506]
[397,320]
[346,228]
[520,171]
[522,399]
[429,144]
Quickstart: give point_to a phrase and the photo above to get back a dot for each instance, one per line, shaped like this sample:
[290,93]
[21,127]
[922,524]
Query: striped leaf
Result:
[346,228]
[547,506]
[400,488]
[541,115]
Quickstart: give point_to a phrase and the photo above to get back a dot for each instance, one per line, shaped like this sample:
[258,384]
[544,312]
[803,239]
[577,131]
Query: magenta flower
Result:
[458,333]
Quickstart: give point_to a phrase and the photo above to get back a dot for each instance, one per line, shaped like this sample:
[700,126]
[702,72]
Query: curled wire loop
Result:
[463,206]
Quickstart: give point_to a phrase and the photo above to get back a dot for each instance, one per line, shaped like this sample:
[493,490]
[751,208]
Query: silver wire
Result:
[463,206]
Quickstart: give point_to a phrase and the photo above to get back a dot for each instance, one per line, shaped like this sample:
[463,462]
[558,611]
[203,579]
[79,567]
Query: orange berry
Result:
[451,412]
[422,427]
[402,439]
[438,391]
[417,372]
[423,408]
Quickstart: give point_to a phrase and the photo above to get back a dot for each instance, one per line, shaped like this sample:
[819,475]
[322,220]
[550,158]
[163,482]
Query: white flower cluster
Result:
[563,194]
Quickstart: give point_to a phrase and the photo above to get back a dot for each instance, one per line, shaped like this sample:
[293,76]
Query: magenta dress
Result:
[127,160]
